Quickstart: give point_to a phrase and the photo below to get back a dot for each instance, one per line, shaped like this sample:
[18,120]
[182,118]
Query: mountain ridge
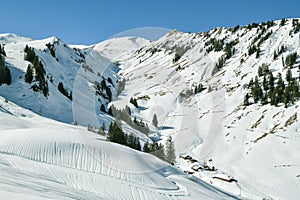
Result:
[171,68]
[196,84]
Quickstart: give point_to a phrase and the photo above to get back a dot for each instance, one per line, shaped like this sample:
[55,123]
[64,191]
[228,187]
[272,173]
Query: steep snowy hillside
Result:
[62,83]
[197,83]
[229,98]
[44,159]
[73,69]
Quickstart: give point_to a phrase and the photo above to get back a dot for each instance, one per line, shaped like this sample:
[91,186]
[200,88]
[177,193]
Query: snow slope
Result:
[44,159]
[120,48]
[76,69]
[257,145]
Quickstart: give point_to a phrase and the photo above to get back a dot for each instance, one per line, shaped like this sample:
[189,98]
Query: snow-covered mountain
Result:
[61,64]
[196,84]
[257,144]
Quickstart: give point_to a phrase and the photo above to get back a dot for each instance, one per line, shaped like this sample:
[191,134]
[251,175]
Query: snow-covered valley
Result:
[44,159]
[227,146]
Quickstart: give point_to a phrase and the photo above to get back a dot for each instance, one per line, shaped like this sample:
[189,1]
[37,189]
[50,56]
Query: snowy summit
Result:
[210,115]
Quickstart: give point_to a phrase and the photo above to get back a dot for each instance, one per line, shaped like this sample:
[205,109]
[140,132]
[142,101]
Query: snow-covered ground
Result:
[257,145]
[44,159]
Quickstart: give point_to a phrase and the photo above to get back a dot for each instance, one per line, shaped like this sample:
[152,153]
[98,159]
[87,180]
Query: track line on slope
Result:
[158,191]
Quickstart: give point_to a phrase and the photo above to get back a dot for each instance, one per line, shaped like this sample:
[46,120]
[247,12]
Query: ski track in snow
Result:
[42,158]
[52,162]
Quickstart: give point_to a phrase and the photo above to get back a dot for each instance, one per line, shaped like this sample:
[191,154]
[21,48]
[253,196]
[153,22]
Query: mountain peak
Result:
[7,38]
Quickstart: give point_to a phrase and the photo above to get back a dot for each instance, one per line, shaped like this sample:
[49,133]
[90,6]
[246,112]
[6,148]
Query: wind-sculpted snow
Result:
[43,159]
[63,147]
[257,145]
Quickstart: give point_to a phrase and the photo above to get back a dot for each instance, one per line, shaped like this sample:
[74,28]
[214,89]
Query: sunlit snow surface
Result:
[44,159]
[256,145]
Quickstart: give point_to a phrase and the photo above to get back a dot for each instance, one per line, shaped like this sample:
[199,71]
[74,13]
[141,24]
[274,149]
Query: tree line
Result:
[125,115]
[37,67]
[116,134]
[5,76]
[273,90]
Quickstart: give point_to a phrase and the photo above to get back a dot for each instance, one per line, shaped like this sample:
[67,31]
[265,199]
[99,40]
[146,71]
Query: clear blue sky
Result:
[91,21]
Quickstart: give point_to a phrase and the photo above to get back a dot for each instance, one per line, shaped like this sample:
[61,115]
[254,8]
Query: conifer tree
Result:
[29,74]
[271,82]
[102,108]
[280,87]
[295,88]
[110,111]
[161,152]
[170,151]
[101,130]
[137,145]
[153,148]
[134,102]
[146,147]
[246,100]
[131,141]
[282,22]
[61,88]
[260,71]
[154,120]
[90,128]
[116,134]
[264,99]
[256,90]
[265,84]
[29,54]
[289,75]
[250,83]
[291,59]
[2,51]
[274,98]
[286,97]
[257,52]
[5,76]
